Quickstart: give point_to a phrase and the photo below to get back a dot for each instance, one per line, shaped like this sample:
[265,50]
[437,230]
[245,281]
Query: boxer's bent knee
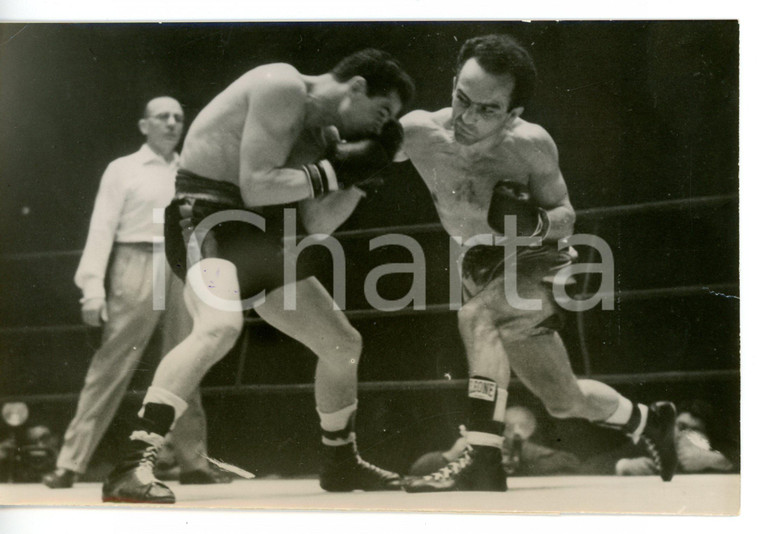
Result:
[342,350]
[217,332]
[351,344]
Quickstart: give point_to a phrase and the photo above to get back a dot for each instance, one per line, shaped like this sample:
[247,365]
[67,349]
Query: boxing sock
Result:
[160,409]
[154,421]
[338,426]
[487,404]
[629,417]
[157,395]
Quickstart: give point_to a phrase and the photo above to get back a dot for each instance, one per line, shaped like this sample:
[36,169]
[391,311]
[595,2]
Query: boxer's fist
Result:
[513,198]
[368,155]
[391,137]
[94,311]
[356,162]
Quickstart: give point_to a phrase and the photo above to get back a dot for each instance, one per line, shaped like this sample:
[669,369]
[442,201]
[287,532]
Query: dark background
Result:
[641,112]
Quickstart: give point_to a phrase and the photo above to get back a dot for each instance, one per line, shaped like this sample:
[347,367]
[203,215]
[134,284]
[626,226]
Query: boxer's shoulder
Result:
[275,93]
[275,81]
[529,131]
[276,73]
[420,125]
[421,119]
[533,142]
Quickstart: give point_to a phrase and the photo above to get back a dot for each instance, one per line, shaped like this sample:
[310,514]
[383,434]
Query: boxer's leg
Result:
[327,333]
[542,364]
[338,346]
[215,308]
[479,467]
[489,371]
[213,300]
[189,436]
[538,356]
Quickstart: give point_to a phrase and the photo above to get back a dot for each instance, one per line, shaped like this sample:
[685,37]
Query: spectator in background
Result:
[116,276]
[520,455]
[28,455]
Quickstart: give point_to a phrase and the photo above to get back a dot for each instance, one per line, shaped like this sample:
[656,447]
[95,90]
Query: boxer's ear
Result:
[358,84]
[514,113]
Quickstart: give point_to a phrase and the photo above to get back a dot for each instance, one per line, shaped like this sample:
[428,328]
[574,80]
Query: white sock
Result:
[501,405]
[335,422]
[644,415]
[484,439]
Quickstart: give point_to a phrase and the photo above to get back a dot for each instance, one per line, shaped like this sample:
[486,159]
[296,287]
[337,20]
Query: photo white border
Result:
[110,521]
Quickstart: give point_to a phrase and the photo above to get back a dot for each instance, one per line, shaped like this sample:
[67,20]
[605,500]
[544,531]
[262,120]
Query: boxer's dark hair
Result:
[381,70]
[500,55]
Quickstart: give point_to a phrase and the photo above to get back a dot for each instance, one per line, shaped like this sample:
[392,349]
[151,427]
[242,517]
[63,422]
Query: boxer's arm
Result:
[408,123]
[549,191]
[324,215]
[274,121]
[400,156]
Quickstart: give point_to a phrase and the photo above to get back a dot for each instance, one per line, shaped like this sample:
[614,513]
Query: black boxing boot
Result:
[342,467]
[344,470]
[659,438]
[478,468]
[133,480]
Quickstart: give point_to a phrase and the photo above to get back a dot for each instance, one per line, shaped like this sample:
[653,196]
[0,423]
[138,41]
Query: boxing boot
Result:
[658,438]
[133,479]
[478,468]
[344,470]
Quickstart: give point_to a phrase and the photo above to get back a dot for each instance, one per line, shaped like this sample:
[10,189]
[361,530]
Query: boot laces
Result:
[149,455]
[452,468]
[366,466]
[651,447]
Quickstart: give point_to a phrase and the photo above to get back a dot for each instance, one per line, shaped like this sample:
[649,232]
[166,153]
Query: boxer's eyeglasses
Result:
[164,117]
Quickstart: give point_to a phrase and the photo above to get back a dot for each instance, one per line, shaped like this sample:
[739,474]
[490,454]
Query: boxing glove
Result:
[513,198]
[356,162]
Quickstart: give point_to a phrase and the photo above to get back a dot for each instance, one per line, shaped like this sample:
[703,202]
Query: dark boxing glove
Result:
[391,137]
[357,162]
[513,198]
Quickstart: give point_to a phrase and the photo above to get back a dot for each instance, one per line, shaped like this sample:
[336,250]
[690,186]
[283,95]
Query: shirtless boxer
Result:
[270,138]
[482,162]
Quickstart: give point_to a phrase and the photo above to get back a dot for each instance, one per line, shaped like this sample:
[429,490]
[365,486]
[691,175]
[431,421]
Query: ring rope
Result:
[584,214]
[398,385]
